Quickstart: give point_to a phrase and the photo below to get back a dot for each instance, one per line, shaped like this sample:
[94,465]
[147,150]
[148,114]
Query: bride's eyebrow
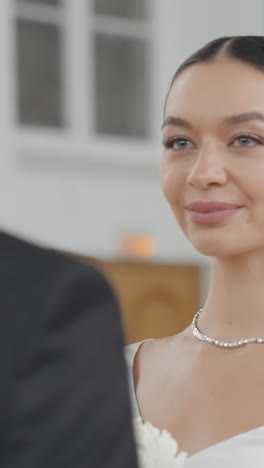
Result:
[244,117]
[177,122]
[231,120]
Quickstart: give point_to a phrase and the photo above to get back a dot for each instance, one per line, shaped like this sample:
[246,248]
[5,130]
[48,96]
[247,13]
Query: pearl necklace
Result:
[221,344]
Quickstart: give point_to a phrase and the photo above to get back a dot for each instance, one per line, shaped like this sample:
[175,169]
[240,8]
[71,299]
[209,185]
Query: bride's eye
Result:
[247,141]
[178,143]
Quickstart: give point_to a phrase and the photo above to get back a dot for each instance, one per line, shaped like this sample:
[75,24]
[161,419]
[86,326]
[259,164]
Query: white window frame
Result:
[78,140]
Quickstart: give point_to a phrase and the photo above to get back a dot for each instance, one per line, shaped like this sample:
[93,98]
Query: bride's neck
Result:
[234,307]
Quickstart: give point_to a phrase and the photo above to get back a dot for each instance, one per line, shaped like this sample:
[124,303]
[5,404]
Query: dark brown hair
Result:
[248,49]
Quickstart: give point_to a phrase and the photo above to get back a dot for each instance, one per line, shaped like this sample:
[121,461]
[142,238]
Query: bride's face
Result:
[212,171]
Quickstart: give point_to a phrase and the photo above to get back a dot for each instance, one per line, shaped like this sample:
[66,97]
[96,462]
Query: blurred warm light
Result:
[137,245]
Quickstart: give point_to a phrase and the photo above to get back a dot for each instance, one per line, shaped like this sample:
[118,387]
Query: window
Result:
[43,2]
[116,47]
[39,67]
[136,9]
[122,52]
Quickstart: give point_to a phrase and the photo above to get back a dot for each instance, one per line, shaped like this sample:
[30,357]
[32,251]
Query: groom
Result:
[63,390]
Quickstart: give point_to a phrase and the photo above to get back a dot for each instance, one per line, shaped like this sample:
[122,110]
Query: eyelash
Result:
[256,140]
[169,143]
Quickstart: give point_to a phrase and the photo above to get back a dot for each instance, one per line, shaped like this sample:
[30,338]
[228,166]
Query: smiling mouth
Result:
[211,206]
[211,213]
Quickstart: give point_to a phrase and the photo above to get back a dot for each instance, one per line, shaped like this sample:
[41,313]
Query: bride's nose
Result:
[208,168]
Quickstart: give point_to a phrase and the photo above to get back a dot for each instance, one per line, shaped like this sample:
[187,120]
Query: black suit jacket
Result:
[63,390]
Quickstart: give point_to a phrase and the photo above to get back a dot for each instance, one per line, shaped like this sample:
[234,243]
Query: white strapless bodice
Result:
[241,451]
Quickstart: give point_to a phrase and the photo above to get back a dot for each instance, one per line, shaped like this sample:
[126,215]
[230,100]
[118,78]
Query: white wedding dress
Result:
[241,451]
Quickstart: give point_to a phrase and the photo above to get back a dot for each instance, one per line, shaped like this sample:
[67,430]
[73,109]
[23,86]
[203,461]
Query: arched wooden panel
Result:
[156,299]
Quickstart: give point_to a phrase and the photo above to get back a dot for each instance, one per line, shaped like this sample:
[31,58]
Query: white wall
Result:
[203,20]
[84,207]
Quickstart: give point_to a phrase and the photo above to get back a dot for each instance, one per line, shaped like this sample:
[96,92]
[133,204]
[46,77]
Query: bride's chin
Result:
[213,251]
[211,247]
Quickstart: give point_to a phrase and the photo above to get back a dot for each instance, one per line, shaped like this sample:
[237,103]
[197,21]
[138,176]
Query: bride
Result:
[206,384]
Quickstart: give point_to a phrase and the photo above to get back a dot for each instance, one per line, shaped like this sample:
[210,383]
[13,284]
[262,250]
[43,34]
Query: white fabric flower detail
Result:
[156,449]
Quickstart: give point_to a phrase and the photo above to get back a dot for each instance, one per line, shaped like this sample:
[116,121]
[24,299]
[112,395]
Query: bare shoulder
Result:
[154,353]
[151,348]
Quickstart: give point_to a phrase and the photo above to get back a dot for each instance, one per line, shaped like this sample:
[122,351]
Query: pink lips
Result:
[211,212]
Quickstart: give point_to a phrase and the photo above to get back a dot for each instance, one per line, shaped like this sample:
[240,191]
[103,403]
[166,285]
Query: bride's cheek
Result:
[168,181]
